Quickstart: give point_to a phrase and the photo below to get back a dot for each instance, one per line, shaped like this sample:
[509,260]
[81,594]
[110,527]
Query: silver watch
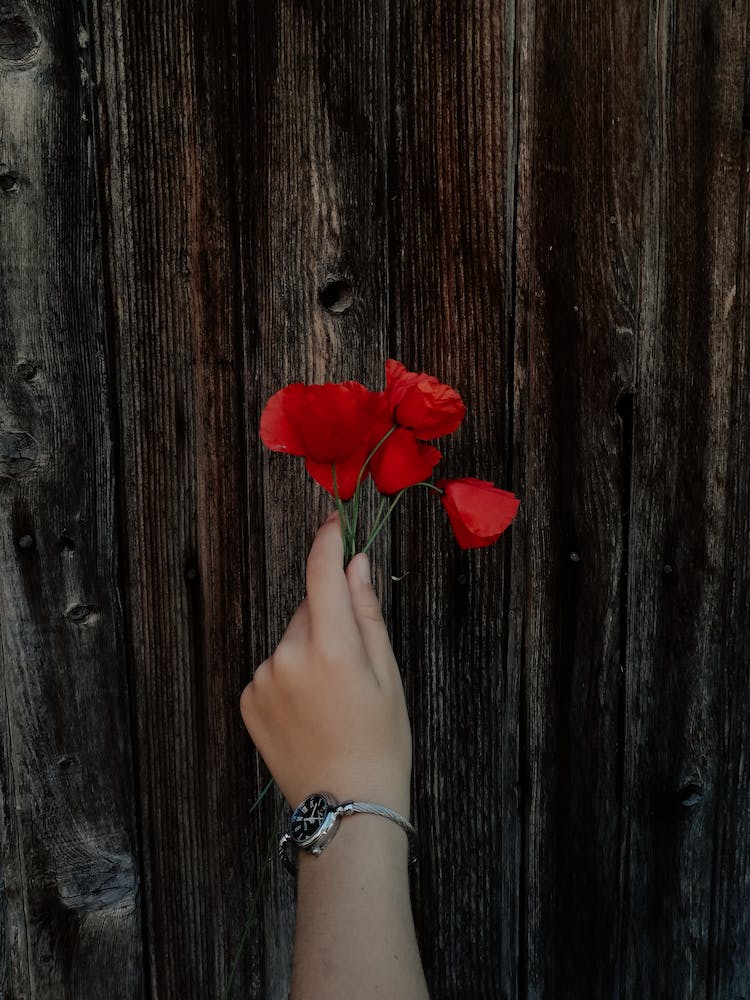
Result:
[316,819]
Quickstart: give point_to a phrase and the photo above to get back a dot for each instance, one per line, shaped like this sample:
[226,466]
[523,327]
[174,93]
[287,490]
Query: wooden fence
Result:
[546,206]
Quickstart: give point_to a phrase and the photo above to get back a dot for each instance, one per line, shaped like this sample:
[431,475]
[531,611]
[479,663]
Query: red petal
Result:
[397,380]
[421,403]
[379,418]
[346,473]
[402,461]
[478,511]
[325,423]
[278,429]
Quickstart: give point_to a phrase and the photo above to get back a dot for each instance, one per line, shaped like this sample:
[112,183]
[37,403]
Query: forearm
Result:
[355,934]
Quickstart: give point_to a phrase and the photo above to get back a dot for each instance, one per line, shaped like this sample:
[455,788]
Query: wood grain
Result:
[70,900]
[453,154]
[583,137]
[685,873]
[548,208]
[169,127]
[319,285]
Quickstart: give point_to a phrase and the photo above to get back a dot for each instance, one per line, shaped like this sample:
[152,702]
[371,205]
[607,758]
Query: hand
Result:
[326,710]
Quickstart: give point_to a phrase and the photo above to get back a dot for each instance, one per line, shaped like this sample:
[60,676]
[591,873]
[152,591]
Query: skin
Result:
[327,713]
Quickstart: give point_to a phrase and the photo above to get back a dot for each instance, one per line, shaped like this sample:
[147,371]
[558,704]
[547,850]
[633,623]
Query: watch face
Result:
[308,818]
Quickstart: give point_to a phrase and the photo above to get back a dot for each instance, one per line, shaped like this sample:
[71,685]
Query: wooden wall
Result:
[548,207]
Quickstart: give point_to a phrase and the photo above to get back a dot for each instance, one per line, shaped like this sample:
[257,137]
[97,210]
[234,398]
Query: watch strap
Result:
[287,844]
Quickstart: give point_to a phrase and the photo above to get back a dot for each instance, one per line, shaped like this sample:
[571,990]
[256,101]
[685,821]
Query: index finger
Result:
[328,592]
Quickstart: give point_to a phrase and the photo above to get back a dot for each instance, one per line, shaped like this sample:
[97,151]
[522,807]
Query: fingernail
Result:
[363,568]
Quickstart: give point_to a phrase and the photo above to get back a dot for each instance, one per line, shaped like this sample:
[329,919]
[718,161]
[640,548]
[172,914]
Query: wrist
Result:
[316,822]
[356,787]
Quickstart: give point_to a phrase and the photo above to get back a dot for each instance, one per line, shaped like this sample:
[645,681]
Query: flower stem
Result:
[347,532]
[379,514]
[355,514]
[265,868]
[260,798]
[379,525]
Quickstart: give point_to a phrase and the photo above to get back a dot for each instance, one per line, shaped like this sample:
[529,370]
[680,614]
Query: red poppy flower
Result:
[422,408]
[327,424]
[421,403]
[478,511]
[402,461]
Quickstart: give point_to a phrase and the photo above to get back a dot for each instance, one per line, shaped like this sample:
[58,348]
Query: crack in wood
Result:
[19,454]
[98,884]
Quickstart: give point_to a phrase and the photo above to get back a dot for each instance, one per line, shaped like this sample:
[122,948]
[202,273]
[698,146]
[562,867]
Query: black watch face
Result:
[307,818]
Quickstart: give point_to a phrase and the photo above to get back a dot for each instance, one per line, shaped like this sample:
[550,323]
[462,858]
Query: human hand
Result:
[326,710]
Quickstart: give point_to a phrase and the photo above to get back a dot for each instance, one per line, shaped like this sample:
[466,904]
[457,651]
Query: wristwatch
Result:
[316,819]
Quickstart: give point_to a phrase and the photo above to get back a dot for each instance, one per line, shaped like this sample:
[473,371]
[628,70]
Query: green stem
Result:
[270,853]
[378,526]
[379,514]
[355,513]
[260,798]
[376,531]
[346,531]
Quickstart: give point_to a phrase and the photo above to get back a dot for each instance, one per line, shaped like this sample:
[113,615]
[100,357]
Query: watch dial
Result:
[308,817]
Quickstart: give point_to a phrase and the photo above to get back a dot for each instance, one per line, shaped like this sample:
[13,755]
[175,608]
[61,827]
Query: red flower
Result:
[422,408]
[420,403]
[479,512]
[341,423]
[327,424]
[402,461]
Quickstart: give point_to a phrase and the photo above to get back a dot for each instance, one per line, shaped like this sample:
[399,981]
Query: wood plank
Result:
[686,905]
[71,901]
[453,158]
[318,283]
[169,125]
[584,137]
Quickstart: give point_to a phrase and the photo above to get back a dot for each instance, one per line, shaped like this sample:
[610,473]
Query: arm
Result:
[327,713]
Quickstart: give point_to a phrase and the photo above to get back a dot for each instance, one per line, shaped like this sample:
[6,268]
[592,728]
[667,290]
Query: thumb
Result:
[367,612]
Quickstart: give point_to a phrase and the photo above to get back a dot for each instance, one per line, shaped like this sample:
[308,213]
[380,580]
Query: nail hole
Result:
[64,762]
[667,569]
[26,542]
[191,573]
[336,296]
[575,557]
[8,181]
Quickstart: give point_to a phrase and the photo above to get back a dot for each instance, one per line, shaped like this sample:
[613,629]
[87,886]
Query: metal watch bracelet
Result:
[315,821]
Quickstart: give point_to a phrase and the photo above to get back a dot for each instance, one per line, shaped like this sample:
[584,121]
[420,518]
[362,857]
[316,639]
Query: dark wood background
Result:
[547,207]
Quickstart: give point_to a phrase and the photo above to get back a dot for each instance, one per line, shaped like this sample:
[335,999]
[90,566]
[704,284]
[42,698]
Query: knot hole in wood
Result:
[690,795]
[19,39]
[336,295]
[8,180]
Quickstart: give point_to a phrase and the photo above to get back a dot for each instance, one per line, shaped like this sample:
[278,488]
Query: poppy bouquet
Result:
[346,432]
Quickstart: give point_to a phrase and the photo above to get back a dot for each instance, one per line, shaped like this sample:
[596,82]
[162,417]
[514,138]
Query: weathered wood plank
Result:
[319,281]
[686,870]
[452,194]
[71,905]
[170,128]
[584,136]
[549,208]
